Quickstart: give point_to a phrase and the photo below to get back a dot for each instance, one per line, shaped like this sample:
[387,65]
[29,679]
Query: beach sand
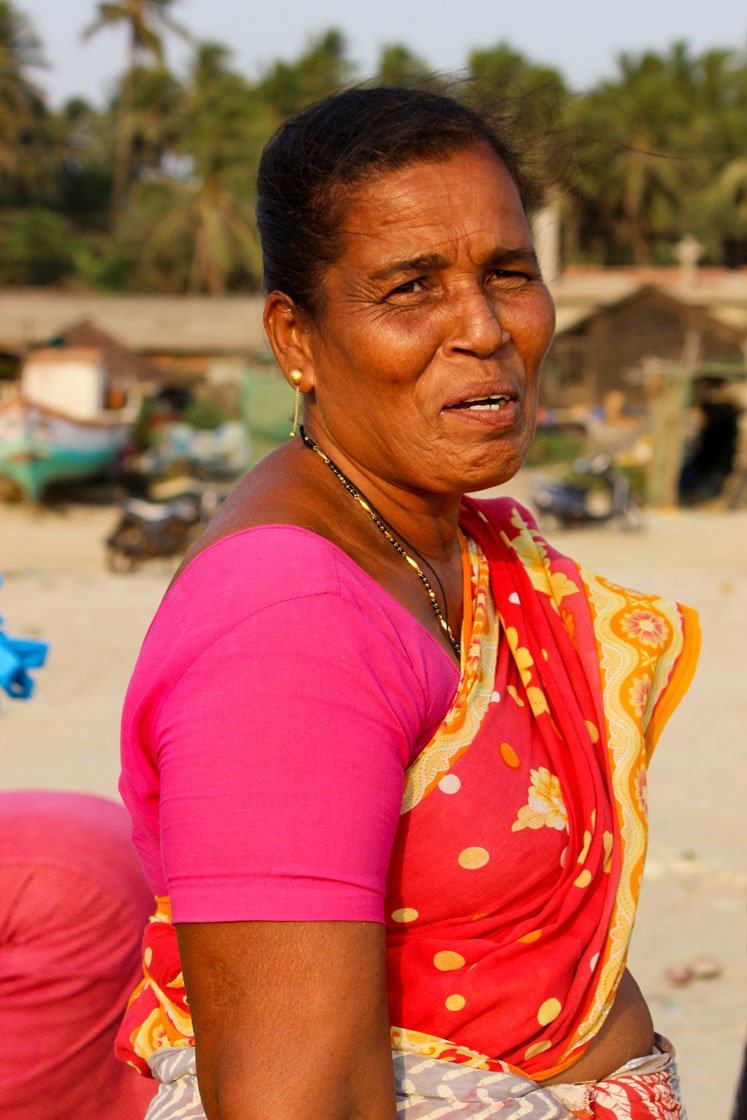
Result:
[693,898]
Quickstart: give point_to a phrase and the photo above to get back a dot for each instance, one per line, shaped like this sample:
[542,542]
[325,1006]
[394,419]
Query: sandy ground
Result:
[693,900]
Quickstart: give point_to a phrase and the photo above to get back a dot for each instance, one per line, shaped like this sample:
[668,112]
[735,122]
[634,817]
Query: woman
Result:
[74,901]
[384,749]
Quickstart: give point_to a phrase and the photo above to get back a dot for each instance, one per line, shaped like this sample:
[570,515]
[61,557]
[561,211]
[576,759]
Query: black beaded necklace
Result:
[388,532]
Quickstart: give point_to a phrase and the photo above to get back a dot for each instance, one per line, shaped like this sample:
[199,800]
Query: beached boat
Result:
[71,413]
[39,446]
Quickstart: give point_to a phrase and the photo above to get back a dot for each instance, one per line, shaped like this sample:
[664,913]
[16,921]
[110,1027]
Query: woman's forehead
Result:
[429,206]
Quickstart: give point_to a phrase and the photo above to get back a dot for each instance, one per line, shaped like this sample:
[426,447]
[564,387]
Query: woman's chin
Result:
[495,470]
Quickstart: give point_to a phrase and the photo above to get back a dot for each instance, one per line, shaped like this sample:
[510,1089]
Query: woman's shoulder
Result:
[282,576]
[261,599]
[261,559]
[262,571]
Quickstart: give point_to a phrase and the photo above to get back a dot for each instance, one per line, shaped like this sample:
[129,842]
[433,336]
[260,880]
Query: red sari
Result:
[516,867]
[517,864]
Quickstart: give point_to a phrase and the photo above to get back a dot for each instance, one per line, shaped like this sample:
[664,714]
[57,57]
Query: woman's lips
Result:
[493,402]
[498,411]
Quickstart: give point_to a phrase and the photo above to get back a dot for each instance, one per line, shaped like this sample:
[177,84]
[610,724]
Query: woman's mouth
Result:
[498,411]
[492,404]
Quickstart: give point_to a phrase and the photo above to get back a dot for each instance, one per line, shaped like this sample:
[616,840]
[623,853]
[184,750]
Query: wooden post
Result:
[667,433]
[669,386]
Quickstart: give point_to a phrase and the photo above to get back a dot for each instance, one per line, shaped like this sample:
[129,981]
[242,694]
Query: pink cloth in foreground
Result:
[74,903]
[278,699]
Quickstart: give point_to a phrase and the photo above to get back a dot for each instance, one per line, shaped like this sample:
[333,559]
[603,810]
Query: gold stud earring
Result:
[296,376]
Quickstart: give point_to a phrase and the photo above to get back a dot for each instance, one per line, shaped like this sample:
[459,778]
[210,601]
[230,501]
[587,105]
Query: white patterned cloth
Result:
[432,1089]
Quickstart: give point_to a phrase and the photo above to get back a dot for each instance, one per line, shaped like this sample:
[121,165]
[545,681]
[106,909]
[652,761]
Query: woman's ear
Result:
[287,329]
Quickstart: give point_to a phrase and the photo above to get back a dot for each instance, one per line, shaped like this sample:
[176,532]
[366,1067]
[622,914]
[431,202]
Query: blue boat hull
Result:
[39,447]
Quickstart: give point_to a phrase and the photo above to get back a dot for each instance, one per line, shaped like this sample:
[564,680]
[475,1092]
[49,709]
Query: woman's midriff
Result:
[628,1033]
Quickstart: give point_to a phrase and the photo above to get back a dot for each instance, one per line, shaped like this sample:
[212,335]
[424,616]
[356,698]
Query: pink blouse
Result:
[278,698]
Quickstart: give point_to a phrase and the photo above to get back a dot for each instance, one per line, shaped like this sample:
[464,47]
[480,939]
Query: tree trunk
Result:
[123,147]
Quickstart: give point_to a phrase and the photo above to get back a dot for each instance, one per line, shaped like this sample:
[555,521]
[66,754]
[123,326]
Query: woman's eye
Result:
[408,288]
[510,278]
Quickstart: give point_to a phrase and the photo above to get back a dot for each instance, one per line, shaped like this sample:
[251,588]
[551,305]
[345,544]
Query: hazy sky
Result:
[580,37]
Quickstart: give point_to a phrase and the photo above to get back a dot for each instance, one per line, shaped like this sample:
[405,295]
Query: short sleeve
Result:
[281,752]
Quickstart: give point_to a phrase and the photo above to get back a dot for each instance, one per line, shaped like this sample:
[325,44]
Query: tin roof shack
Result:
[70,381]
[595,351]
[129,375]
[192,340]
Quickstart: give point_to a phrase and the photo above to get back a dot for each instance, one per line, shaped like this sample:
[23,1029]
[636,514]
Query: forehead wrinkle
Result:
[404,216]
[442,252]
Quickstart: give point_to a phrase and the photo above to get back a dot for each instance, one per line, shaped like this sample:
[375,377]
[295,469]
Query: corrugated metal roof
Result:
[170,324]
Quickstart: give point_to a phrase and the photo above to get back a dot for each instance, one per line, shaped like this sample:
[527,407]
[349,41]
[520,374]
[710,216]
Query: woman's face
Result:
[426,354]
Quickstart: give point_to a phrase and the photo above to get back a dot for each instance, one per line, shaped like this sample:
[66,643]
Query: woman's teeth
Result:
[482,403]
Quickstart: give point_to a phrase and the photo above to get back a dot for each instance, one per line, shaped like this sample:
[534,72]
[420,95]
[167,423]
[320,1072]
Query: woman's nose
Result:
[476,326]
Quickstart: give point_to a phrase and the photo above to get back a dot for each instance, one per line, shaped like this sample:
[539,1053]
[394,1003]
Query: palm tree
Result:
[322,68]
[197,221]
[145,21]
[510,85]
[398,66]
[724,203]
[635,165]
[20,51]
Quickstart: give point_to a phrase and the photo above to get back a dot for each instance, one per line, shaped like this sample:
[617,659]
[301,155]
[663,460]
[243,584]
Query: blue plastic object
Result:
[17,656]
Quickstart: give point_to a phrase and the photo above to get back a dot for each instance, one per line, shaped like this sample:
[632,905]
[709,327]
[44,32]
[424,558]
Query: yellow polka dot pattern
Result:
[446,961]
[549,1012]
[528,938]
[583,879]
[538,1048]
[455,1002]
[472,859]
[406,914]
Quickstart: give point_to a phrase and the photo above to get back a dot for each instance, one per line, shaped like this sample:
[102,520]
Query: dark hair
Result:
[347,140]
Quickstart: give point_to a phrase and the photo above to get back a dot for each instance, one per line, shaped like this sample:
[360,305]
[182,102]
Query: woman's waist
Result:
[626,1034]
[526,1000]
[649,1083]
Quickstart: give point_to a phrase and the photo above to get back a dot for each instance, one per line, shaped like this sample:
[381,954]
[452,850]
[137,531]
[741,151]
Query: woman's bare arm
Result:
[290,1019]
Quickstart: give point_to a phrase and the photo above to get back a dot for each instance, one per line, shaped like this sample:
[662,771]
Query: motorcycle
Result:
[597,492]
[150,529]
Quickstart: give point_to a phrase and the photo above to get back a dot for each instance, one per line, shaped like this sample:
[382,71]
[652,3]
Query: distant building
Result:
[190,339]
[597,349]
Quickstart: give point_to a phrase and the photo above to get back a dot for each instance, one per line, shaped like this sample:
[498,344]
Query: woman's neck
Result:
[429,522]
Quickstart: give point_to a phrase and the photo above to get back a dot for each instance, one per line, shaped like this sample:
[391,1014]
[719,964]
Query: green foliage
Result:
[322,68]
[155,189]
[20,53]
[555,445]
[35,247]
[143,435]
[204,413]
[98,264]
[398,66]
